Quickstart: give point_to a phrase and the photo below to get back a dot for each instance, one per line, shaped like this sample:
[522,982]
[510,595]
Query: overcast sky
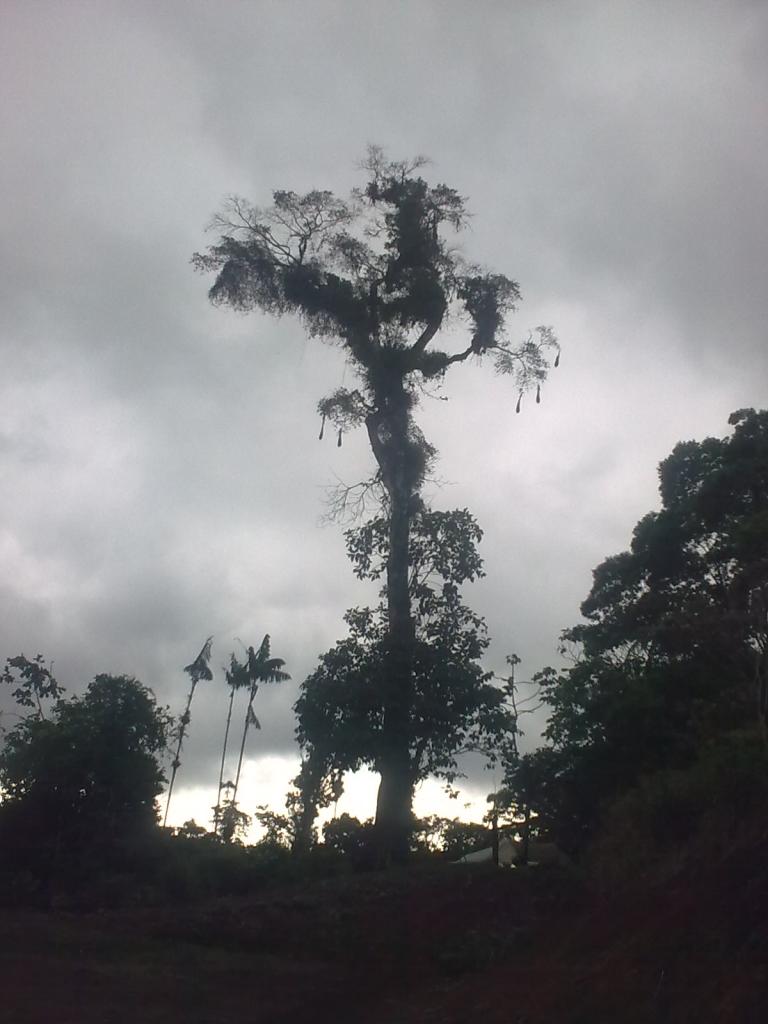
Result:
[160,469]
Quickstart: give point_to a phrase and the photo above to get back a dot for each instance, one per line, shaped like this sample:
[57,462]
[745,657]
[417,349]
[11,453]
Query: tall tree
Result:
[689,598]
[673,652]
[379,274]
[260,667]
[237,679]
[85,777]
[196,670]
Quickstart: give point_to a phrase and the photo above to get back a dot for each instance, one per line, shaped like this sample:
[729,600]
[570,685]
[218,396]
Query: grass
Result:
[440,943]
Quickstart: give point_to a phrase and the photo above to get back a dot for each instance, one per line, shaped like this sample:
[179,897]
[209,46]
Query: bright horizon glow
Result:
[266,780]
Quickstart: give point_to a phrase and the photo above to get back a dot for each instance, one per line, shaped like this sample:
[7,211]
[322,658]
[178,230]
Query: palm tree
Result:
[237,678]
[260,669]
[196,671]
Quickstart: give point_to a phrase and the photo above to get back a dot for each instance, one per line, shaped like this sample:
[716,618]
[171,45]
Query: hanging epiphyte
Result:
[338,442]
[538,394]
[557,360]
[322,429]
[519,400]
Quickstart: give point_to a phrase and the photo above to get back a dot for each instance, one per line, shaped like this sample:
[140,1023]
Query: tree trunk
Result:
[526,837]
[401,473]
[177,757]
[495,834]
[251,697]
[217,808]
[302,839]
[395,797]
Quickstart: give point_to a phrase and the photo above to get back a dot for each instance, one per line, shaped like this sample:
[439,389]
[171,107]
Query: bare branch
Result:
[349,503]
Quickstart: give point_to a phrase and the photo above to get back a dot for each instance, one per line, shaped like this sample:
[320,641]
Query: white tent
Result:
[507,854]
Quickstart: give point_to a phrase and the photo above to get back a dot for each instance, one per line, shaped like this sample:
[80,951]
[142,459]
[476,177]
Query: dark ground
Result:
[439,945]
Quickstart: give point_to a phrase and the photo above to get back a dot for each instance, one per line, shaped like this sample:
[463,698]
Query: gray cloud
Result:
[159,458]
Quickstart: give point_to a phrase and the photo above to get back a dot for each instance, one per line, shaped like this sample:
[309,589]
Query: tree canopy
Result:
[674,647]
[373,271]
[88,774]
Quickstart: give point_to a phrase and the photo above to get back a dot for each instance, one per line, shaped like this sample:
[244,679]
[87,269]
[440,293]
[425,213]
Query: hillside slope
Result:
[439,944]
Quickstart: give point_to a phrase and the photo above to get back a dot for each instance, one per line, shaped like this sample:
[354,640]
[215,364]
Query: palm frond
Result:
[262,668]
[237,674]
[271,672]
[199,669]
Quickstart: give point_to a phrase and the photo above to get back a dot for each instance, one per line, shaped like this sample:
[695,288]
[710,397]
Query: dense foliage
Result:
[656,735]
[456,707]
[673,655]
[82,780]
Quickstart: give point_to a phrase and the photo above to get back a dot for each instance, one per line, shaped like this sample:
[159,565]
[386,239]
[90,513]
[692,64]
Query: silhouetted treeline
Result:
[659,727]
[657,734]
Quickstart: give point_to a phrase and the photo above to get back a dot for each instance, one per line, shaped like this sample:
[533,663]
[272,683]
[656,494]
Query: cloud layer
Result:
[159,458]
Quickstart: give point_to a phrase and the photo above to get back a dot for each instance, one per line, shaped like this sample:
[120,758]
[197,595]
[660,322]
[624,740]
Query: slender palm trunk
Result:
[248,713]
[217,808]
[177,757]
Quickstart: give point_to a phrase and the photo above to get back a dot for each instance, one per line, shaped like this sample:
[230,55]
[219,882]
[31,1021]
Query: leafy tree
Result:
[378,273]
[688,601]
[538,799]
[319,784]
[191,830]
[33,682]
[341,709]
[233,823]
[196,671]
[430,836]
[458,838]
[350,837]
[674,649]
[278,828]
[87,775]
